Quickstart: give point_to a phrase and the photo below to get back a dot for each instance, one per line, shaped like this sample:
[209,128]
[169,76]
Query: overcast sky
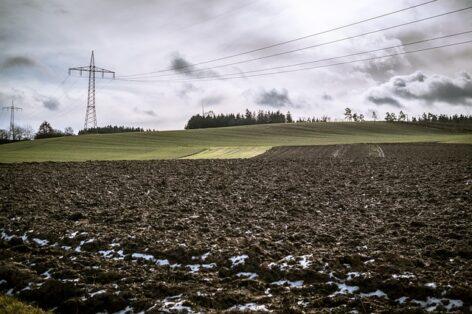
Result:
[40,40]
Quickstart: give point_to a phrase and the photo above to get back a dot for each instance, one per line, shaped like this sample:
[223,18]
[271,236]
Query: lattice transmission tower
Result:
[12,109]
[91,114]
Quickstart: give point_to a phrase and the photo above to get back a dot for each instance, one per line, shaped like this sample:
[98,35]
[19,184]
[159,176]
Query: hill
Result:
[229,142]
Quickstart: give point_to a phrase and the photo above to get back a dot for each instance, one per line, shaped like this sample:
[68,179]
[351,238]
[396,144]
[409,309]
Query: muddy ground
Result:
[368,228]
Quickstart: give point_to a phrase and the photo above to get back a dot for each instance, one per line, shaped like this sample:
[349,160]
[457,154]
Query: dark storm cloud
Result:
[181,66]
[384,101]
[18,61]
[51,104]
[274,98]
[430,89]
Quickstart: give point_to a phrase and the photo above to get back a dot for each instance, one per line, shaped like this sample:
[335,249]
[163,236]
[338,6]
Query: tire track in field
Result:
[381,152]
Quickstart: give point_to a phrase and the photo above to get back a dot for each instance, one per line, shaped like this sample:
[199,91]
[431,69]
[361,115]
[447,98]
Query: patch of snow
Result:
[146,257]
[209,266]
[247,275]
[70,280]
[352,275]
[401,300]
[406,275]
[97,292]
[453,303]
[431,285]
[369,261]
[162,262]
[6,236]
[377,293]
[293,284]
[10,292]
[304,262]
[2,281]
[249,307]
[47,274]
[127,310]
[65,247]
[73,234]
[238,260]
[106,254]
[40,242]
[194,268]
[204,256]
[79,247]
[432,303]
[344,289]
[175,304]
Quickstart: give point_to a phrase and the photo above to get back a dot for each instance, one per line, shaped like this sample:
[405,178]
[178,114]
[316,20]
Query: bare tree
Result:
[69,131]
[348,114]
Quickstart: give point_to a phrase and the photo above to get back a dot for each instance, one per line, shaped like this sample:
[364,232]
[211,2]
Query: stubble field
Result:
[368,227]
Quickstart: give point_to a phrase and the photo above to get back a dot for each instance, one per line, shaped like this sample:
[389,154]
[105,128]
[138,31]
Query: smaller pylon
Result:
[12,109]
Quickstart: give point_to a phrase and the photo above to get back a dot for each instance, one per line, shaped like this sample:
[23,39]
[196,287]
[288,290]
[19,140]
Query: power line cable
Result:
[293,40]
[317,45]
[321,66]
[332,58]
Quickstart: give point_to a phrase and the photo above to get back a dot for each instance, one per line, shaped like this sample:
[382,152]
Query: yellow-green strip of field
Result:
[229,152]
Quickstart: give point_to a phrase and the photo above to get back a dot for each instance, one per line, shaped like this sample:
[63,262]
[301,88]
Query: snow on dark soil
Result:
[301,229]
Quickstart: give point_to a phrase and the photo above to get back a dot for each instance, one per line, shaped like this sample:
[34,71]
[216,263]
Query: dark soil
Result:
[398,226]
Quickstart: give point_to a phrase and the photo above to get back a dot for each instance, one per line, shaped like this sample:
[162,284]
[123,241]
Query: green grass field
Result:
[230,142]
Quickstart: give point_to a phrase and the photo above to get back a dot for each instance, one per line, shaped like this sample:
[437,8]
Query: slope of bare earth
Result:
[338,232]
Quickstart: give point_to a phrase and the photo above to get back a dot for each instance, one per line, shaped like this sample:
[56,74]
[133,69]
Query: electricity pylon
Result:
[91,114]
[12,109]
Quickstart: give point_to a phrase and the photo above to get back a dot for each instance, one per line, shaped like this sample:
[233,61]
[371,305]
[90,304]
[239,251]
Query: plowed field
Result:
[384,227]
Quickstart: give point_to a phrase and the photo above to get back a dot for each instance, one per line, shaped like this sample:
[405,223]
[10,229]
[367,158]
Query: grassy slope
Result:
[10,305]
[246,139]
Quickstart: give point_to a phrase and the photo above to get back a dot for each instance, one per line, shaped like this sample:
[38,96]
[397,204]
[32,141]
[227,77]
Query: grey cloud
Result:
[274,98]
[18,61]
[384,101]
[181,66]
[429,89]
[327,97]
[51,104]
[150,113]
